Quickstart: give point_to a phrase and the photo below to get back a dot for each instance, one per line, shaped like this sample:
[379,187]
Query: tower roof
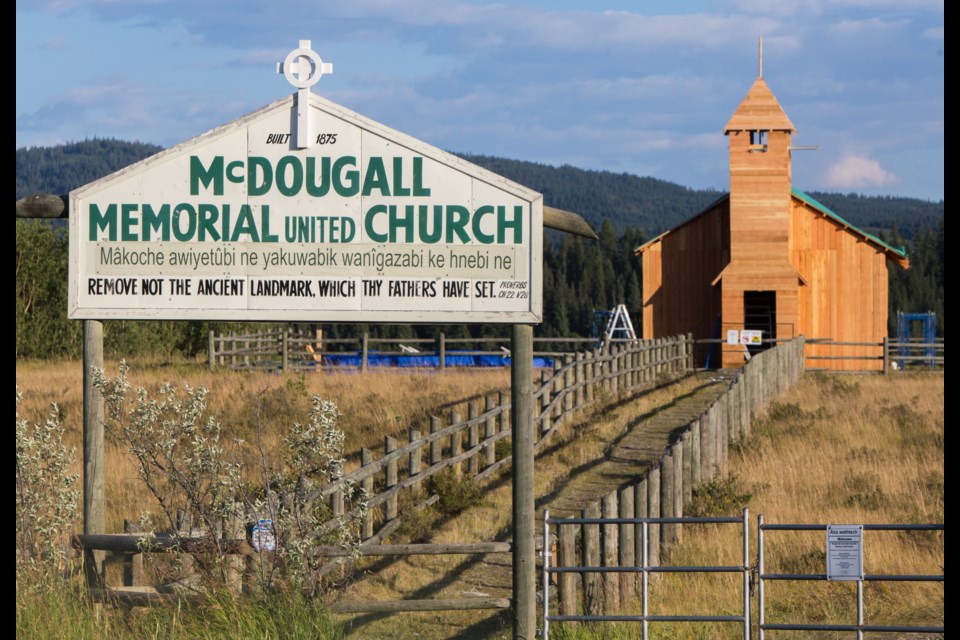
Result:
[759,111]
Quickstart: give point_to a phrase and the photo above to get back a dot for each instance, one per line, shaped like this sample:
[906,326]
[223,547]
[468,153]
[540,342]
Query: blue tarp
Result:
[453,359]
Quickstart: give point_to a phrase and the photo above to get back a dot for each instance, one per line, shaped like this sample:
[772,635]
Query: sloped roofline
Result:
[898,255]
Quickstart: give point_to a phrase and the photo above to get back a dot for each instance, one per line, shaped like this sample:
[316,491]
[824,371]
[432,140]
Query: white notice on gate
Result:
[844,552]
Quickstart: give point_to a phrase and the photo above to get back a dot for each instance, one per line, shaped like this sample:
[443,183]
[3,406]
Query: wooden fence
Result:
[468,447]
[290,349]
[695,455]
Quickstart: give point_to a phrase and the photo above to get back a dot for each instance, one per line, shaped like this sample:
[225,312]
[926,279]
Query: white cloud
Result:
[858,172]
[850,28]
[933,33]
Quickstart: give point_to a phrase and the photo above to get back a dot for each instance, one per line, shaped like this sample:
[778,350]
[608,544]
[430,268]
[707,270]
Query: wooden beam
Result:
[566,221]
[43,206]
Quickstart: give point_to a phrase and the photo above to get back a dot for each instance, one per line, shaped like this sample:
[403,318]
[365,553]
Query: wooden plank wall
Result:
[846,294]
[677,272]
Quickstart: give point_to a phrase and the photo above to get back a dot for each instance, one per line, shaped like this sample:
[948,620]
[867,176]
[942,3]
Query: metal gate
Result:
[860,626]
[645,570]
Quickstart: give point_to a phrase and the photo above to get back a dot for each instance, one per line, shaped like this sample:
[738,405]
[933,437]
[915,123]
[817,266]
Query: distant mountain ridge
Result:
[626,200]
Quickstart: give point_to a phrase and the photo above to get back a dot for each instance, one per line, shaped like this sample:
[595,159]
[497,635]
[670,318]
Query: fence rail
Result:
[290,349]
[886,356]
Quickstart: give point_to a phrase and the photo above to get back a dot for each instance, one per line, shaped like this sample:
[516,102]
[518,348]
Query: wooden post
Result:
[211,346]
[641,509]
[691,360]
[233,530]
[557,388]
[569,379]
[93,455]
[696,462]
[614,369]
[132,562]
[490,430]
[546,388]
[590,375]
[592,583]
[436,447]
[473,439]
[524,551]
[578,379]
[678,478]
[390,510]
[687,442]
[505,420]
[886,355]
[442,349]
[364,352]
[653,511]
[456,443]
[284,351]
[567,557]
[668,481]
[627,545]
[366,526]
[414,465]
[611,544]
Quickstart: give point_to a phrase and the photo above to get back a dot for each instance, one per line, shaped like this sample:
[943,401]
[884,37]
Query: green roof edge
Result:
[902,251]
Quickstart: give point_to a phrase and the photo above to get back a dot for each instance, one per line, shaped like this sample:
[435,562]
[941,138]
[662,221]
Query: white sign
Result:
[844,552]
[364,225]
[733,336]
[751,337]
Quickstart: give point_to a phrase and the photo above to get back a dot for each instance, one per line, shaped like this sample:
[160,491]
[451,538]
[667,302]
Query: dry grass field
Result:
[835,449]
[373,405]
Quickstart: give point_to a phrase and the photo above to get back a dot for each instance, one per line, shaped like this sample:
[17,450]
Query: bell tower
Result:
[759,284]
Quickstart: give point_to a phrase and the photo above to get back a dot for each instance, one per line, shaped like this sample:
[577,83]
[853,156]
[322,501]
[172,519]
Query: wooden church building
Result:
[767,257]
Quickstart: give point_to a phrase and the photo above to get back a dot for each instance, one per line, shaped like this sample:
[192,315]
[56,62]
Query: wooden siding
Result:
[846,296]
[678,269]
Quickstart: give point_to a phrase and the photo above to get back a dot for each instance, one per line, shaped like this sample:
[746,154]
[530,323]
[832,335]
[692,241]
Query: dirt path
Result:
[604,450]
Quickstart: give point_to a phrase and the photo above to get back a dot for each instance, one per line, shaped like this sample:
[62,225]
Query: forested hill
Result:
[627,201]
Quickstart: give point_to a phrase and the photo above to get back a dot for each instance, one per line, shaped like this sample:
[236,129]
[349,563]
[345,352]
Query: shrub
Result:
[719,497]
[47,494]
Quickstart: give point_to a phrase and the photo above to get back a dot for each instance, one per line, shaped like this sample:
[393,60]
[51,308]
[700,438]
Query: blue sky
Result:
[636,87]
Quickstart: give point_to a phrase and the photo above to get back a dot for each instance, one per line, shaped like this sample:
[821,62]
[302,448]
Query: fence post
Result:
[436,447]
[390,510]
[366,526]
[456,443]
[569,379]
[93,450]
[687,441]
[886,355]
[211,357]
[611,544]
[678,479]
[627,542]
[567,582]
[640,510]
[490,430]
[233,530]
[614,369]
[653,511]
[505,414]
[668,481]
[364,351]
[442,349]
[589,375]
[283,349]
[473,439]
[546,386]
[414,463]
[696,443]
[132,562]
[578,378]
[592,583]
